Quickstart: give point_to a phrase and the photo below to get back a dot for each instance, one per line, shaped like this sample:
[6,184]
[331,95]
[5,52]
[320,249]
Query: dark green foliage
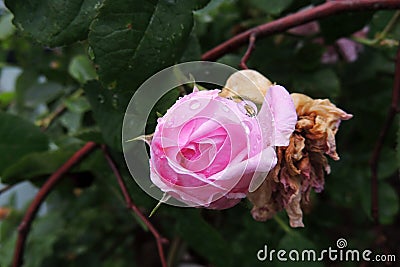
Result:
[54,23]
[66,96]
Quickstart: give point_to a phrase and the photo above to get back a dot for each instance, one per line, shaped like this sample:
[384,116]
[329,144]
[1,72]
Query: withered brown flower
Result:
[302,164]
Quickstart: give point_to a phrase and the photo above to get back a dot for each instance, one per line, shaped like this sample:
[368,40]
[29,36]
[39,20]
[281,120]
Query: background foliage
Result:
[79,63]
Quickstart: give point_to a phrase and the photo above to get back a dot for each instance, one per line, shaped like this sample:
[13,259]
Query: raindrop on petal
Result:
[195,104]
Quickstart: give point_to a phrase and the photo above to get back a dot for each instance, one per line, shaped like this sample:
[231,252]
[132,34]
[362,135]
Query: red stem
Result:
[33,208]
[249,50]
[379,142]
[327,9]
[130,205]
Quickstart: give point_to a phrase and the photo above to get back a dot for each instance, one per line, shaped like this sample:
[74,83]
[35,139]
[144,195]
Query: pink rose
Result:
[207,150]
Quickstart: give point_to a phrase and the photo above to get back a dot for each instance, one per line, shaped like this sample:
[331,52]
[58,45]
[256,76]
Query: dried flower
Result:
[302,164]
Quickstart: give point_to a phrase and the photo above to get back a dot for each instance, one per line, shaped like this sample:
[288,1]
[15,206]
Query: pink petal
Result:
[284,113]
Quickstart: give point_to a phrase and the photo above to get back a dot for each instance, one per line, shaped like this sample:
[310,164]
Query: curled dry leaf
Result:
[302,164]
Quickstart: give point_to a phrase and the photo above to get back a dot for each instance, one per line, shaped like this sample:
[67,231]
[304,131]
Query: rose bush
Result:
[208,150]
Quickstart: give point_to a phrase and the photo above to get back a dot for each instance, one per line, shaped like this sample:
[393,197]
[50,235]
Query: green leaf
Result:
[295,241]
[71,120]
[54,22]
[6,26]
[41,93]
[273,7]
[89,135]
[45,233]
[108,111]
[387,165]
[342,25]
[398,143]
[161,107]
[6,98]
[77,105]
[199,235]
[36,164]
[81,69]
[132,40]
[388,202]
[193,49]
[320,84]
[7,249]
[17,139]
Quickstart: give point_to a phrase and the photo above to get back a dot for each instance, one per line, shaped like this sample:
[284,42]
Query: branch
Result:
[379,142]
[6,188]
[33,208]
[130,205]
[249,50]
[45,122]
[327,9]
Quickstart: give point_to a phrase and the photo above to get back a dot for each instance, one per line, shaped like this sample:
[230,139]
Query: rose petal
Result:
[284,113]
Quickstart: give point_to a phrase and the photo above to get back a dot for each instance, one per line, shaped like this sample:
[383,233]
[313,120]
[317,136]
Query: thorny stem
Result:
[324,10]
[249,50]
[379,142]
[130,205]
[47,187]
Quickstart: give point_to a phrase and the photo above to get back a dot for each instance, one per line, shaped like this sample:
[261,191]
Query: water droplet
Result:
[248,108]
[225,108]
[100,98]
[258,138]
[247,127]
[195,104]
[112,85]
[115,101]
[170,122]
[91,53]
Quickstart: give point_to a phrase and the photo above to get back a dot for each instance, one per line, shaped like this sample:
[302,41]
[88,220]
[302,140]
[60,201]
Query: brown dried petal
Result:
[294,153]
[302,164]
[293,209]
[325,118]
